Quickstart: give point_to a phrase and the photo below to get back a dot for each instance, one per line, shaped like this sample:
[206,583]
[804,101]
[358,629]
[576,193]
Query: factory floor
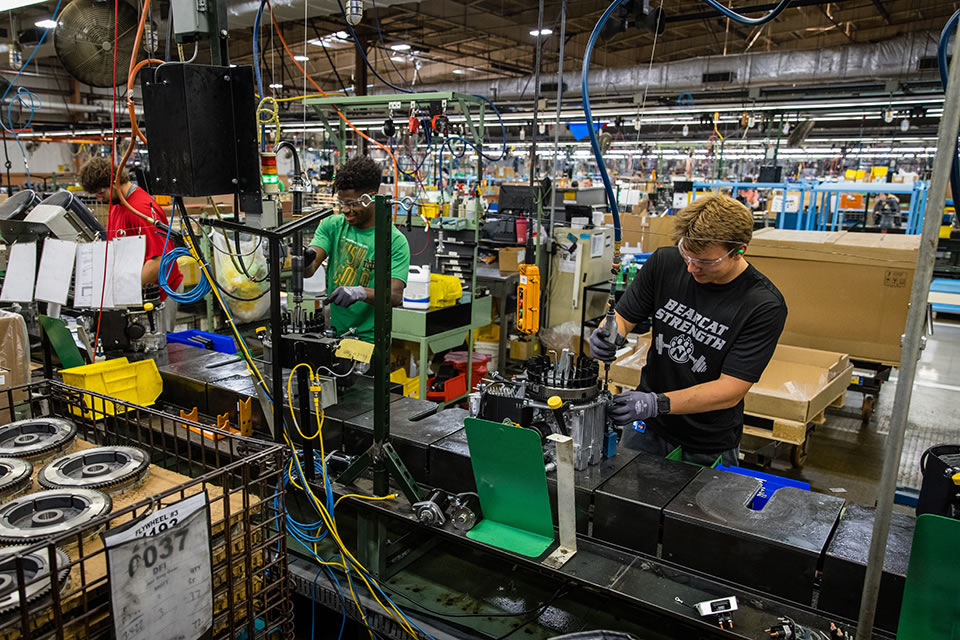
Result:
[845,457]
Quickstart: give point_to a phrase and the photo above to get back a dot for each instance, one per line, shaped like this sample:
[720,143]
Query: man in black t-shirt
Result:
[716,322]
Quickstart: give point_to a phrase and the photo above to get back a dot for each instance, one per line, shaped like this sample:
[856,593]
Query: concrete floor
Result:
[845,456]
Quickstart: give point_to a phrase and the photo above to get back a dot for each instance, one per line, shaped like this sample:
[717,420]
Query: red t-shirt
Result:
[121,222]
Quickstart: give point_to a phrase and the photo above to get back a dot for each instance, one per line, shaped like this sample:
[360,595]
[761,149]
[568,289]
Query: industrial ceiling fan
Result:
[84,40]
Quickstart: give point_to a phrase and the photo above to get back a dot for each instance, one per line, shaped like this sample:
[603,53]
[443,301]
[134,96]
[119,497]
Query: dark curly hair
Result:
[95,175]
[359,173]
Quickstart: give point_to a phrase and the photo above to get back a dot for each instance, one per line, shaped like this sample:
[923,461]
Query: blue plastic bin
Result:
[222,344]
[769,484]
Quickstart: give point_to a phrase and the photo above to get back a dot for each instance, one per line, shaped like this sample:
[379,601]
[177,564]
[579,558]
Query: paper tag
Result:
[161,580]
[355,350]
[596,245]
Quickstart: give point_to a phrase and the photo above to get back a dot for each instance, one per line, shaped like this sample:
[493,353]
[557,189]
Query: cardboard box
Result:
[647,232]
[798,384]
[845,292]
[524,348]
[509,259]
[14,356]
[625,371]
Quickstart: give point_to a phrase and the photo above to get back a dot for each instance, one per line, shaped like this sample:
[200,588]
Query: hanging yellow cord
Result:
[316,404]
[716,116]
[272,114]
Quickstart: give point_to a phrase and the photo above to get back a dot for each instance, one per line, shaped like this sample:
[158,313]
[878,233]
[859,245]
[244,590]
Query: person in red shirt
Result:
[96,179]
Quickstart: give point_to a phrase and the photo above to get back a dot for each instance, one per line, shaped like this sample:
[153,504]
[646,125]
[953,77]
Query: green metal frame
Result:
[326,108]
[381,456]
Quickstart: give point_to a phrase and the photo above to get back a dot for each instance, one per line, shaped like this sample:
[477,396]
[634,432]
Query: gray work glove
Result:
[600,349]
[346,296]
[630,406]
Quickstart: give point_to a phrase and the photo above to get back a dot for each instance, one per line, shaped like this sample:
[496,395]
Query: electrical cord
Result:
[376,19]
[340,114]
[21,91]
[363,54]
[316,32]
[503,129]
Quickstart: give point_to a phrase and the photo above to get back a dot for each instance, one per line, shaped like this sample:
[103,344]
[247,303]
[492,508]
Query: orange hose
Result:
[396,170]
[134,69]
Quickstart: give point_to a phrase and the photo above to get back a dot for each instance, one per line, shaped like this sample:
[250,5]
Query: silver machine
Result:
[560,394]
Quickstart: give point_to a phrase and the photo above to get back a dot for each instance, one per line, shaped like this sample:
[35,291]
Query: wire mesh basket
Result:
[243,481]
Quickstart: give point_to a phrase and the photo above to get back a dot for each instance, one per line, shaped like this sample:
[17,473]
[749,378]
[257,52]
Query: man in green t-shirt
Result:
[347,240]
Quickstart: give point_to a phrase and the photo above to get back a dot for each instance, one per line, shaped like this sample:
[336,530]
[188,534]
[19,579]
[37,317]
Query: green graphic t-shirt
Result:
[350,253]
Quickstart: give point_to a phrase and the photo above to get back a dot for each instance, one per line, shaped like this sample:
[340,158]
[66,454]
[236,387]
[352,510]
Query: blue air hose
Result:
[942,63]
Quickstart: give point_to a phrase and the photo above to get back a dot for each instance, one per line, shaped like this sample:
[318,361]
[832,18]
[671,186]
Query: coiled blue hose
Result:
[167,260]
[942,64]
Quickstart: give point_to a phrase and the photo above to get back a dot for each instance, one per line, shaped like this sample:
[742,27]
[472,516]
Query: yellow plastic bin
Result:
[134,382]
[411,386]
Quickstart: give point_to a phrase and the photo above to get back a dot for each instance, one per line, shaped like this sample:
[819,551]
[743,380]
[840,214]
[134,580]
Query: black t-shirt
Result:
[699,332]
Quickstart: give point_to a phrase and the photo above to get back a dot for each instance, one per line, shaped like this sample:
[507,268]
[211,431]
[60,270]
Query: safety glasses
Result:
[699,262]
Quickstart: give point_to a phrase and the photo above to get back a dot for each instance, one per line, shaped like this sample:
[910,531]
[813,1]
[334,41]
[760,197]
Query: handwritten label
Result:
[355,350]
[161,584]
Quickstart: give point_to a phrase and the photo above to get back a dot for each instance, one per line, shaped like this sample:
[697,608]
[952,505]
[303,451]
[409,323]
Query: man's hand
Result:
[346,296]
[600,348]
[309,255]
[630,406]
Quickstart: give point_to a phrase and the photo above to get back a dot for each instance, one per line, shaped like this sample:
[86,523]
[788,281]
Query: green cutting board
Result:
[931,598]
[512,485]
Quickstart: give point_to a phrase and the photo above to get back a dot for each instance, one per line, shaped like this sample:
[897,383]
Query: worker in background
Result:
[716,322]
[97,180]
[587,183]
[347,240]
[886,212]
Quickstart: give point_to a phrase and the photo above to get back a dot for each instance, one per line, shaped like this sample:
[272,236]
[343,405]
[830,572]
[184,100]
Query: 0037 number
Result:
[161,549]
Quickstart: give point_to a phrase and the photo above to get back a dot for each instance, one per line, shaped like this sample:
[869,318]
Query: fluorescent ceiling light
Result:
[276,85]
[401,46]
[343,35]
[46,24]
[459,71]
[7,5]
[301,58]
[541,32]
[317,42]
[398,58]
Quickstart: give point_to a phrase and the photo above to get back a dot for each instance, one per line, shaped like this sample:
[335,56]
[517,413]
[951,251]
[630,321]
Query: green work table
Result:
[418,326]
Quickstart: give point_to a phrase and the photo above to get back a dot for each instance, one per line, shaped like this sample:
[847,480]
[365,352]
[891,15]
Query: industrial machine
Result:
[61,215]
[561,395]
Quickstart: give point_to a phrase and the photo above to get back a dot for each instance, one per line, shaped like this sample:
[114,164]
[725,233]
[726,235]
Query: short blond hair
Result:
[713,220]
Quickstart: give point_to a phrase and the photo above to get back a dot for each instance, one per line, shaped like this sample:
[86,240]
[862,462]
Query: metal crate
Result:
[243,480]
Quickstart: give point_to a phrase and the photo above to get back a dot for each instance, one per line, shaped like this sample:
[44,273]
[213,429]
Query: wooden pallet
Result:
[88,578]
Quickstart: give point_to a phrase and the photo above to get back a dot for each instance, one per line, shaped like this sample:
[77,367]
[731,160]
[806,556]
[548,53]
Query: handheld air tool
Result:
[612,334]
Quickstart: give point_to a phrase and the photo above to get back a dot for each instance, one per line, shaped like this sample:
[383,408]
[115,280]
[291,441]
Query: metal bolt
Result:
[234,181]
[223,33]
[226,78]
[174,179]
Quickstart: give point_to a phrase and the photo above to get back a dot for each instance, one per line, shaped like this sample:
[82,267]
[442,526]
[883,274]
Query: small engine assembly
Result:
[554,396]
[36,439]
[45,514]
[107,468]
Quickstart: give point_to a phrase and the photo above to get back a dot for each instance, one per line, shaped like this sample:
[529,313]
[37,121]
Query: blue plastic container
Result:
[221,344]
[769,484]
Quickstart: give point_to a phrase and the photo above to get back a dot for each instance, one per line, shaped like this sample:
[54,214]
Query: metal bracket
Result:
[566,503]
